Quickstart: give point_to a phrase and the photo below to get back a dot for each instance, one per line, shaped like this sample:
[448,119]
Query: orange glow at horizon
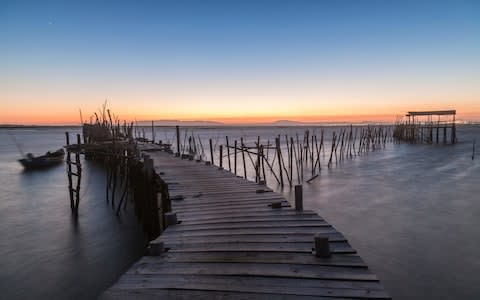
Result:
[72,117]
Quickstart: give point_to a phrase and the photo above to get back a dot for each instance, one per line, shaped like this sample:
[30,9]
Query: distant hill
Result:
[287,123]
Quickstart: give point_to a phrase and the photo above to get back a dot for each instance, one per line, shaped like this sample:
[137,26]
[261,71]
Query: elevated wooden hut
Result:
[427,126]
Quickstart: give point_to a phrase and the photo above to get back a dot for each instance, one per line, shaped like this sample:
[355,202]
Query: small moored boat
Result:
[48,159]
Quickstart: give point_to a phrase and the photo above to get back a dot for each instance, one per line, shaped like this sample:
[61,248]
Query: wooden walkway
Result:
[231,244]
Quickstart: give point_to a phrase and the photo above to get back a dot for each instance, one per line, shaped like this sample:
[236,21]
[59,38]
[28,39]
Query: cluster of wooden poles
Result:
[133,177]
[425,133]
[292,155]
[129,175]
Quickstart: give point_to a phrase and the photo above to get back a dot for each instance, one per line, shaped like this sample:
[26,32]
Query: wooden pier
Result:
[230,238]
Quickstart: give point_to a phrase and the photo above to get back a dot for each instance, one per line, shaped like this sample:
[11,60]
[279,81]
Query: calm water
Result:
[44,254]
[412,212]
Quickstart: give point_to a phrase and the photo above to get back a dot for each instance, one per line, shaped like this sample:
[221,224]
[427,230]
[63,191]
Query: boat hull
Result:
[44,161]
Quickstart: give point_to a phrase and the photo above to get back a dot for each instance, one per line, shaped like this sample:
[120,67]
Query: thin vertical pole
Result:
[243,157]
[69,172]
[279,154]
[221,156]
[177,128]
[263,164]
[153,133]
[291,160]
[235,158]
[257,169]
[228,155]
[298,197]
[79,174]
[211,150]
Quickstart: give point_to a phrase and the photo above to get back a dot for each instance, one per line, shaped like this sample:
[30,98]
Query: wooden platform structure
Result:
[425,127]
[231,243]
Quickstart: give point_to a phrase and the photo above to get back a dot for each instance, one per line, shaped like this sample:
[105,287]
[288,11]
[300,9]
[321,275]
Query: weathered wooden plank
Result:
[272,230]
[231,206]
[337,247]
[251,238]
[219,191]
[252,224]
[213,199]
[226,211]
[228,284]
[255,269]
[248,219]
[239,214]
[214,188]
[263,281]
[350,260]
[151,294]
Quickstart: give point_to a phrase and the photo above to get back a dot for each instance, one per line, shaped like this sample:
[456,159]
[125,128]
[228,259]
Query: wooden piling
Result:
[322,246]
[69,172]
[153,133]
[78,173]
[177,129]
[211,151]
[220,156]
[298,197]
[235,158]
[228,155]
[243,157]
[279,154]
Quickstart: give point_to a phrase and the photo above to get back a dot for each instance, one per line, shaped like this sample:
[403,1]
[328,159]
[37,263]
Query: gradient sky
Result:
[238,61]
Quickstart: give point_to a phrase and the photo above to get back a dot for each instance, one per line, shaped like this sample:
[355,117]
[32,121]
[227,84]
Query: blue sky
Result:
[219,53]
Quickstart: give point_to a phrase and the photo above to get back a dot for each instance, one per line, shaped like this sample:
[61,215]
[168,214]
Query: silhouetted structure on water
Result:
[426,127]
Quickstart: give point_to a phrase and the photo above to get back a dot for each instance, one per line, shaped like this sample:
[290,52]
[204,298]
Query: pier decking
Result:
[231,244]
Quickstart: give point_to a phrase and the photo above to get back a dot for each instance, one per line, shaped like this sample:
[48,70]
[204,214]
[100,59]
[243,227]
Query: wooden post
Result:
[177,128]
[228,155]
[277,204]
[298,197]
[161,211]
[263,166]
[291,160]
[221,156]
[79,173]
[156,248]
[69,172]
[279,154]
[331,151]
[243,157]
[454,132]
[148,163]
[257,168]
[312,147]
[171,218]
[211,151]
[322,247]
[235,158]
[153,133]
[307,147]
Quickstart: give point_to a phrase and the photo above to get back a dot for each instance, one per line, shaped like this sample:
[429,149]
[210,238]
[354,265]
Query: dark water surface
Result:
[44,253]
[411,211]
